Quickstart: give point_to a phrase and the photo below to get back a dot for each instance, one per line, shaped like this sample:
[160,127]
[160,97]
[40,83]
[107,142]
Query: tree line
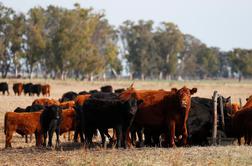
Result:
[80,43]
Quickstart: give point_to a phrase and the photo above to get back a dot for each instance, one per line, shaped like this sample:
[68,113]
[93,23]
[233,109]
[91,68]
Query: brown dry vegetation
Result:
[74,154]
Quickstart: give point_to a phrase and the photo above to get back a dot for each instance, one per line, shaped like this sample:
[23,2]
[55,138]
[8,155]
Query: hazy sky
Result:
[226,24]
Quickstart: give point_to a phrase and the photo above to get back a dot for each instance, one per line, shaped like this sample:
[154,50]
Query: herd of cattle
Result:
[28,88]
[137,117]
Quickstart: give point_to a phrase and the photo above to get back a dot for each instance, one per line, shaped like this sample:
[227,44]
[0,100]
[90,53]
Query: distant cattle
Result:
[46,90]
[68,96]
[108,113]
[18,88]
[36,89]
[50,122]
[164,109]
[107,88]
[28,89]
[23,124]
[4,88]
[45,101]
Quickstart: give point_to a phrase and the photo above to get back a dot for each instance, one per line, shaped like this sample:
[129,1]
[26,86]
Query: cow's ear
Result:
[174,90]
[139,102]
[193,90]
[228,99]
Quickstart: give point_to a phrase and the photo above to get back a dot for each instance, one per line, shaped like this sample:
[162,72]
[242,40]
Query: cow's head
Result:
[55,111]
[132,104]
[184,96]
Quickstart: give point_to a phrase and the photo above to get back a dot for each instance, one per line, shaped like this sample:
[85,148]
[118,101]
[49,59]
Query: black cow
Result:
[27,88]
[83,93]
[105,113]
[50,120]
[36,89]
[118,91]
[107,88]
[4,87]
[200,120]
[68,96]
[93,91]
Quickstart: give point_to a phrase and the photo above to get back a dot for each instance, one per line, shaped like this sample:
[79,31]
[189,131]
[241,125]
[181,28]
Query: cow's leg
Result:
[133,136]
[45,136]
[185,135]
[69,135]
[8,139]
[57,134]
[124,134]
[103,132]
[140,136]
[52,128]
[172,133]
[26,138]
[118,136]
[239,140]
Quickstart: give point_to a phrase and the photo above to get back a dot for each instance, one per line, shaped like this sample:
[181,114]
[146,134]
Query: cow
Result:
[93,91]
[68,96]
[68,121]
[67,104]
[4,87]
[18,88]
[83,93]
[50,121]
[28,89]
[32,108]
[79,100]
[163,109]
[36,89]
[45,101]
[23,124]
[118,91]
[45,90]
[107,88]
[105,113]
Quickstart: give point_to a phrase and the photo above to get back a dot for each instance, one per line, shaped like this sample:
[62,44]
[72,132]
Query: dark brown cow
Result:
[45,90]
[163,109]
[23,124]
[4,87]
[18,88]
[107,88]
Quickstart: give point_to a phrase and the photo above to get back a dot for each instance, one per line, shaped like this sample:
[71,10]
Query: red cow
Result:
[22,123]
[45,101]
[18,88]
[163,109]
[45,90]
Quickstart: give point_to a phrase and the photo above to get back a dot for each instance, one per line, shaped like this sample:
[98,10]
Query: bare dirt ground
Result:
[73,154]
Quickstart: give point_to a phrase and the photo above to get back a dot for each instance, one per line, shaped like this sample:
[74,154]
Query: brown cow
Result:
[45,101]
[163,109]
[45,90]
[18,88]
[22,123]
[67,104]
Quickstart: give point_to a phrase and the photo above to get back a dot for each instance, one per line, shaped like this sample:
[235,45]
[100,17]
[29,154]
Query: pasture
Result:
[72,154]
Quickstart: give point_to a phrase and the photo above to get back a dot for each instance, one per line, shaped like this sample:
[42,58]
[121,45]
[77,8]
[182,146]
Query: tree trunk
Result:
[142,76]
[161,75]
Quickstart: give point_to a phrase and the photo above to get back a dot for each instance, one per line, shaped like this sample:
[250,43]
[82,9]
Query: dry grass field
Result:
[74,154]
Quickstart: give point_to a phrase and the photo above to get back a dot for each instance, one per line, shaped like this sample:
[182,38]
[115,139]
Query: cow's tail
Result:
[5,123]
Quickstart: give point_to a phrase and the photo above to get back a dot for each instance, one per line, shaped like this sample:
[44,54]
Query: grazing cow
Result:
[4,87]
[45,90]
[118,91]
[68,96]
[28,88]
[105,113]
[45,101]
[107,88]
[23,124]
[50,122]
[164,110]
[18,88]
[36,89]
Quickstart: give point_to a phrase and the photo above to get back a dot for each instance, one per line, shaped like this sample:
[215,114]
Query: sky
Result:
[226,24]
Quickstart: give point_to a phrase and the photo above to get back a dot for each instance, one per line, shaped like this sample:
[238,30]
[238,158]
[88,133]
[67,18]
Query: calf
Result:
[23,124]
[4,87]
[50,122]
[108,113]
[18,88]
